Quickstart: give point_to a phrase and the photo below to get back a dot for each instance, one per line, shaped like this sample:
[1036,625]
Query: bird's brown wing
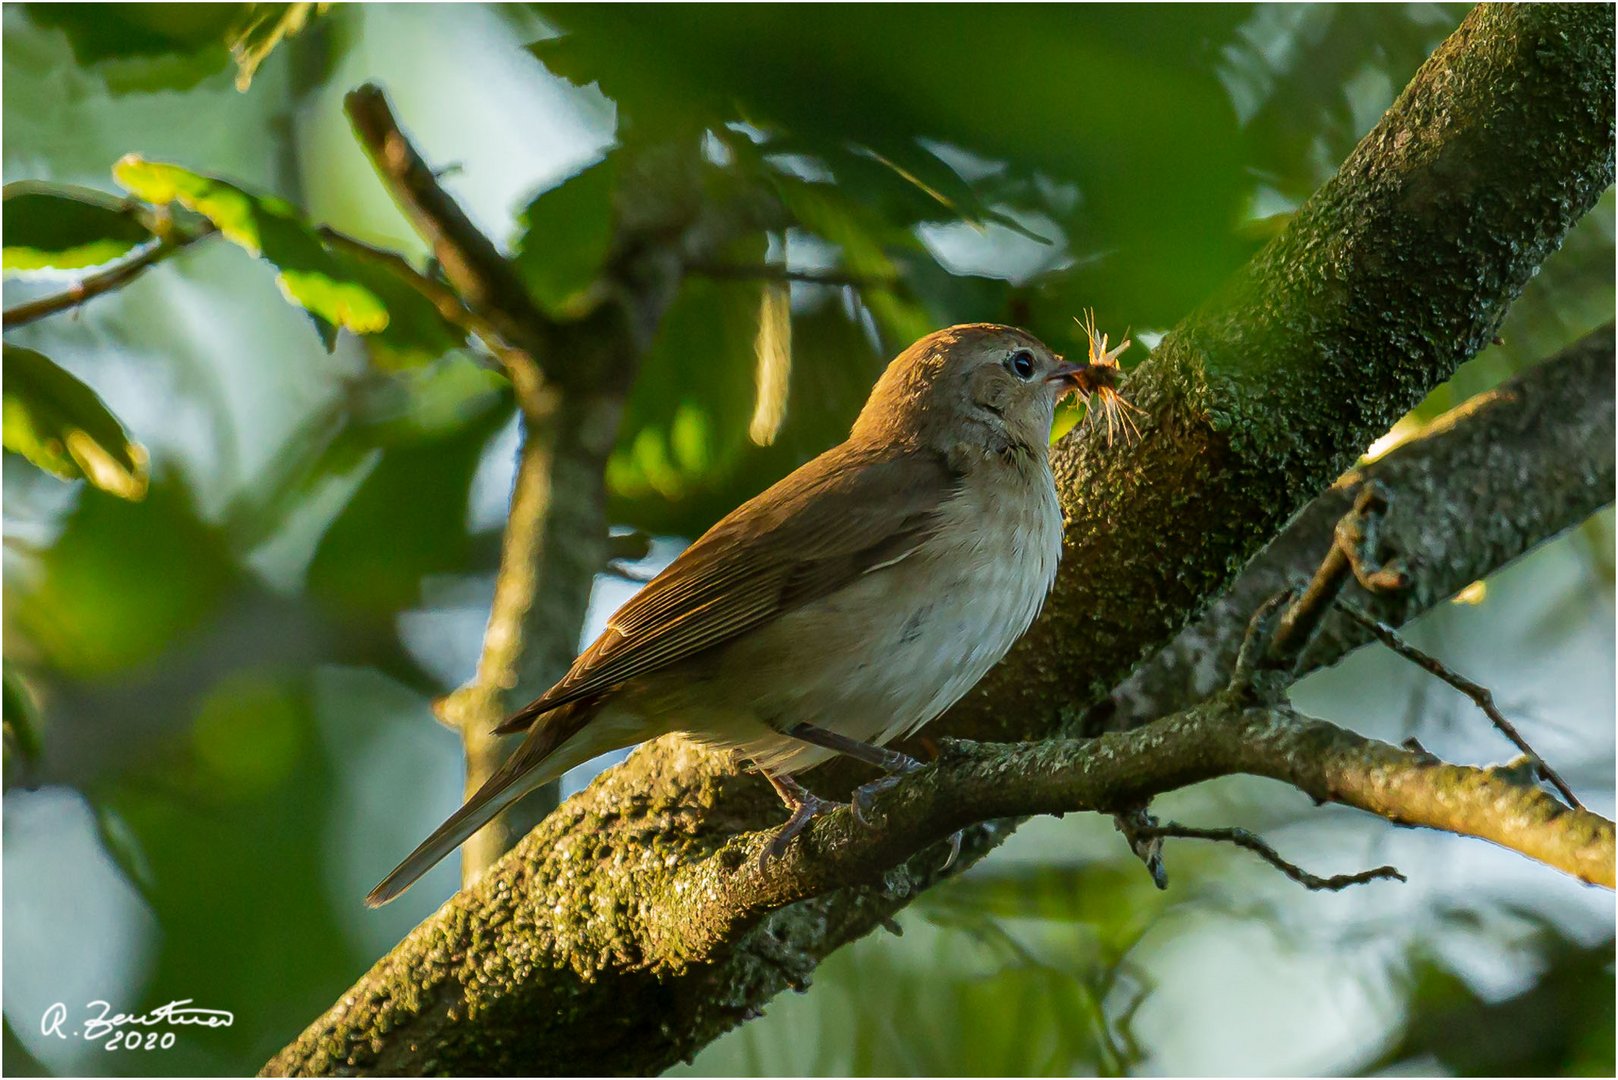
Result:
[845,514]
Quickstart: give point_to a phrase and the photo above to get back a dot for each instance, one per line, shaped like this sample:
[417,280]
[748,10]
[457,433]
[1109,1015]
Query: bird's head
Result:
[980,381]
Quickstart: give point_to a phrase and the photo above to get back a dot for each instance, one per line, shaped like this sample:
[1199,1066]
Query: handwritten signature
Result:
[132,1031]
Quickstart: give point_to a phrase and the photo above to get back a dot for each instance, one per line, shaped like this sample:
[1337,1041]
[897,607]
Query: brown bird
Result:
[845,607]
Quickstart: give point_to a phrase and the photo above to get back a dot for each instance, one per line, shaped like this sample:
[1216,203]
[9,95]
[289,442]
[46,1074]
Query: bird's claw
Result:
[804,811]
[863,796]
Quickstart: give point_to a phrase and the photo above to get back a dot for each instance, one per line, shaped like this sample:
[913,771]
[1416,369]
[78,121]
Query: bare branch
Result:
[1479,694]
[1352,550]
[555,533]
[1244,839]
[104,281]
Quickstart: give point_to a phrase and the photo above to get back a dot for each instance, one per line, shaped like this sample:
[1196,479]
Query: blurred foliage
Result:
[19,713]
[566,234]
[323,514]
[58,423]
[1560,1025]
[144,48]
[95,609]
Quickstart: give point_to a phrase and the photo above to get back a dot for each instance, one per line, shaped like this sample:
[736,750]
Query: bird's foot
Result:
[811,807]
[899,767]
[804,805]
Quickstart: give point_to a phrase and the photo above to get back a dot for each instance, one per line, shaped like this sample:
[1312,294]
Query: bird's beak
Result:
[1065,370]
[1072,377]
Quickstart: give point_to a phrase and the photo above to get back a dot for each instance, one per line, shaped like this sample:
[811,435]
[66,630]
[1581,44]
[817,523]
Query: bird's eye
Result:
[1022,363]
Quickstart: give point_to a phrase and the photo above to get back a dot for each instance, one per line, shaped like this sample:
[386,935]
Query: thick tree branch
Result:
[716,896]
[564,958]
[1537,455]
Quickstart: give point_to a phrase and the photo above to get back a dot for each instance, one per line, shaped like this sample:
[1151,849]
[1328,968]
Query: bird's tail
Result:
[532,764]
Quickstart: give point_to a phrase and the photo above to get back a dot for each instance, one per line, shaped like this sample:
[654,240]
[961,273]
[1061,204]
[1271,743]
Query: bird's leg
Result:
[895,764]
[805,806]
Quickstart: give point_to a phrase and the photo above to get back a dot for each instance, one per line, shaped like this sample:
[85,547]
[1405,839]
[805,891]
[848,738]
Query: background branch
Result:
[483,278]
[443,298]
[106,280]
[555,535]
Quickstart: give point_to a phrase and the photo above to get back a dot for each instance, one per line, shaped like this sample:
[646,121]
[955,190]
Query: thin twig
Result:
[103,281]
[1353,551]
[441,296]
[1243,838]
[1478,693]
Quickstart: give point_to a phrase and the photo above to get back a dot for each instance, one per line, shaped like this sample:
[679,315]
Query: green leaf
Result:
[271,228]
[59,424]
[566,237]
[142,48]
[416,334]
[63,227]
[263,28]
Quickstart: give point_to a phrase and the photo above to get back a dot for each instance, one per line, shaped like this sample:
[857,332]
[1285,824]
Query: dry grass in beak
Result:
[1101,383]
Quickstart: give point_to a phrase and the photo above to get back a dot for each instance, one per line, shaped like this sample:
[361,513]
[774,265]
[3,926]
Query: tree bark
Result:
[565,958]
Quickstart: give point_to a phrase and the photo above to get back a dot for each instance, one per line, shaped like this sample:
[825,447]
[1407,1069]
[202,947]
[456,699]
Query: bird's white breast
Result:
[895,649]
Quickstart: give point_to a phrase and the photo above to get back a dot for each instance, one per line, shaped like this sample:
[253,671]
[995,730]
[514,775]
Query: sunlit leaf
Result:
[567,234]
[416,334]
[59,424]
[263,27]
[63,227]
[271,228]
